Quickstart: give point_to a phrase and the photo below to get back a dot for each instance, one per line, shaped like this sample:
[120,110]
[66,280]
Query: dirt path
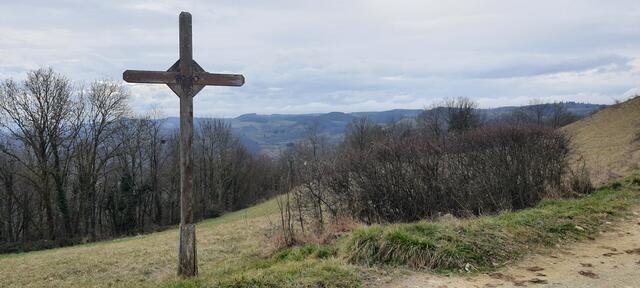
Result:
[612,259]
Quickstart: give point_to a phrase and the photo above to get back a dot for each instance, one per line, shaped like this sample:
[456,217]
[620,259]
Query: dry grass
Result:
[141,261]
[230,254]
[608,141]
[230,248]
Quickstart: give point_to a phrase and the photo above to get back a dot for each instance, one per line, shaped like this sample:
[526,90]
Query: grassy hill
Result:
[609,140]
[140,261]
[233,249]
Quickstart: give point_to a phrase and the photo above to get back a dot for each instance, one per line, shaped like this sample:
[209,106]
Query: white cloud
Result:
[633,92]
[320,56]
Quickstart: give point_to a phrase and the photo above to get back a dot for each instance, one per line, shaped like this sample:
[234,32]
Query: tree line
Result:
[77,165]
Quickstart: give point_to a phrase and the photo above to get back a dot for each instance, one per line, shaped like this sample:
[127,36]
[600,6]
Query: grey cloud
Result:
[332,55]
[533,66]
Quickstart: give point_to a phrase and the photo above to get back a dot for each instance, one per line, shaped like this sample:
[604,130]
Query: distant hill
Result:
[270,134]
[609,140]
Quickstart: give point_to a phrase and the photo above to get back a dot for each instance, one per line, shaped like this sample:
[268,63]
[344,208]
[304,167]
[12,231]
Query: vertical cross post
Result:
[187,261]
[186,78]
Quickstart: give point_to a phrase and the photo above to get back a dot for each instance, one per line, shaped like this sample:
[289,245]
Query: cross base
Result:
[187,259]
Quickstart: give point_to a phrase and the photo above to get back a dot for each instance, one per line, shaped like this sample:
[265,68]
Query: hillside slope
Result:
[609,140]
[233,250]
[141,261]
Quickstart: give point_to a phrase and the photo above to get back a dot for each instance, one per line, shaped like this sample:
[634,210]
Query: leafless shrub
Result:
[407,176]
[579,180]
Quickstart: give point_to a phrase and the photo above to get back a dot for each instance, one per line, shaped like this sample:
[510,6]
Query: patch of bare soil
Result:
[611,259]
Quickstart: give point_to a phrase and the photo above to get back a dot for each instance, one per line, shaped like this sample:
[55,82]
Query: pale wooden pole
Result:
[187,258]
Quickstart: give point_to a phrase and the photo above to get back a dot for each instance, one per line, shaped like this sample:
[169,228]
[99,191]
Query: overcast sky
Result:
[321,56]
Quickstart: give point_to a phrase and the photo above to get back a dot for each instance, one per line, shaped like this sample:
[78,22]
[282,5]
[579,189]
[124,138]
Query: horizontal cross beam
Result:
[198,78]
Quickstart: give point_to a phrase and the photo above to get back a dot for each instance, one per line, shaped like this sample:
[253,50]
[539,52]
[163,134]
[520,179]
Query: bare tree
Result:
[7,197]
[312,153]
[450,115]
[361,134]
[462,114]
[433,121]
[45,118]
[560,116]
[537,111]
[105,104]
[156,149]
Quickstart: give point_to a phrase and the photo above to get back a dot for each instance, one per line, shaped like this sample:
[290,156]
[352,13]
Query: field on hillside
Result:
[141,261]
[609,140]
[232,249]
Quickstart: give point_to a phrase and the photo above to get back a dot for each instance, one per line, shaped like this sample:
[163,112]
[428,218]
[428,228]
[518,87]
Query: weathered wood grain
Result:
[186,78]
[187,255]
[188,263]
[153,77]
[212,79]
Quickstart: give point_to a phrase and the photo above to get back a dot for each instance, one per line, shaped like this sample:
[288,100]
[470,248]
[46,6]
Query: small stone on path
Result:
[538,281]
[535,269]
[633,251]
[589,274]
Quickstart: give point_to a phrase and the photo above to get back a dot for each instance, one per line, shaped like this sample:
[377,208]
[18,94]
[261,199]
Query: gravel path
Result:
[612,259]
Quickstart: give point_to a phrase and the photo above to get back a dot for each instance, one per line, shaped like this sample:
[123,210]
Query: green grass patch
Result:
[487,242]
[306,266]
[304,273]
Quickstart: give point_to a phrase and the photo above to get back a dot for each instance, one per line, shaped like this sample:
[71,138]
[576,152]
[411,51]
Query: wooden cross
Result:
[186,78]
